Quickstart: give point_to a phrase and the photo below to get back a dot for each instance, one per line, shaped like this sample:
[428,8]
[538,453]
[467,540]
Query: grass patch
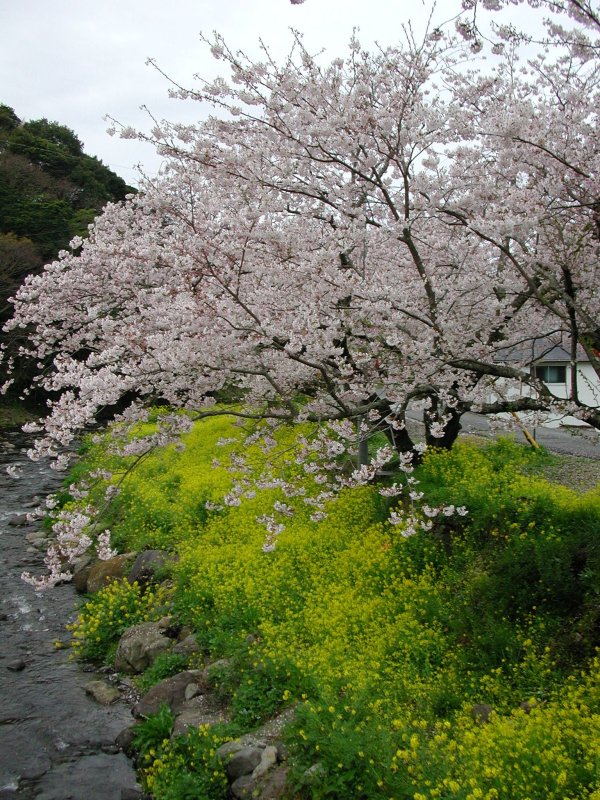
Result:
[164,666]
[385,644]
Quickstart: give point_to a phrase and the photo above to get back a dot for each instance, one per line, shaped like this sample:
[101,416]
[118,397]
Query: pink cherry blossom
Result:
[338,243]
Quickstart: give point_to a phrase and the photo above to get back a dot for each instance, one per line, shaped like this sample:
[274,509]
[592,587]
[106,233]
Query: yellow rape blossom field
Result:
[460,662]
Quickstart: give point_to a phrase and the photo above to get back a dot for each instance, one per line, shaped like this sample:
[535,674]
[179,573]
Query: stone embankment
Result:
[255,764]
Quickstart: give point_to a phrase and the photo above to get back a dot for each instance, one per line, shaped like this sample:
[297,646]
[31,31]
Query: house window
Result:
[551,373]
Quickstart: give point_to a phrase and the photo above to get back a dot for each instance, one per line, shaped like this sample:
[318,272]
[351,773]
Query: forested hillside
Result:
[50,190]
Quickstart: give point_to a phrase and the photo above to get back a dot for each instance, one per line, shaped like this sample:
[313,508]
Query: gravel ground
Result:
[575,472]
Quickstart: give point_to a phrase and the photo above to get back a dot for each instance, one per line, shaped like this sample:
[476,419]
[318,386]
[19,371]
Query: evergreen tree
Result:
[50,191]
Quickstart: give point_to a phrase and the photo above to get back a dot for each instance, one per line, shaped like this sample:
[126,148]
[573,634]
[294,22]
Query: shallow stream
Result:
[56,743]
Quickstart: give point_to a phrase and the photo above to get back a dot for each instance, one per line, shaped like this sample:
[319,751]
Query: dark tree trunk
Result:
[451,431]
[400,439]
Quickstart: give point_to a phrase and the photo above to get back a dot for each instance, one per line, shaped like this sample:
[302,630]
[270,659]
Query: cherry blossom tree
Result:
[582,17]
[337,242]
[538,137]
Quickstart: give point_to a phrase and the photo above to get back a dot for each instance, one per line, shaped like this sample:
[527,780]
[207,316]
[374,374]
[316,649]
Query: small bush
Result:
[106,616]
[153,733]
[187,768]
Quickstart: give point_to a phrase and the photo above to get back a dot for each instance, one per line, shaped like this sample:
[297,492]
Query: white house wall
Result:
[588,387]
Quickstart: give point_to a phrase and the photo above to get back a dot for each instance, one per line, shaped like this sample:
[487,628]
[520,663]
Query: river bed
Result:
[56,742]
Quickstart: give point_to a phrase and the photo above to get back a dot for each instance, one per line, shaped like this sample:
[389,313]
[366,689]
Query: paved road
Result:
[570,441]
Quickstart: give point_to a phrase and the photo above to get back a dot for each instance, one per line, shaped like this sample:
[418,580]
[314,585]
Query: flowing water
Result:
[56,743]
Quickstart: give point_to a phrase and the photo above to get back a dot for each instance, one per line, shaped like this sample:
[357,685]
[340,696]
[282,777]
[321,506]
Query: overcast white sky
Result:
[74,61]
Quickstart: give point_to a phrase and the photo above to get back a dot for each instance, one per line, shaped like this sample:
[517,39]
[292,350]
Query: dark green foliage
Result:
[528,548]
[46,181]
[257,697]
[348,760]
[55,134]
[8,120]
[189,768]
[50,191]
[18,257]
[187,786]
[154,730]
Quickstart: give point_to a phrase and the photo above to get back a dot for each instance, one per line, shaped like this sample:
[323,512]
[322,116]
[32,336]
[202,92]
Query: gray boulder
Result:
[147,564]
[124,740]
[268,759]
[271,731]
[36,538]
[243,762]
[187,647]
[18,521]
[271,786]
[140,645]
[206,709]
[242,788]
[229,748]
[192,690]
[81,571]
[104,572]
[172,692]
